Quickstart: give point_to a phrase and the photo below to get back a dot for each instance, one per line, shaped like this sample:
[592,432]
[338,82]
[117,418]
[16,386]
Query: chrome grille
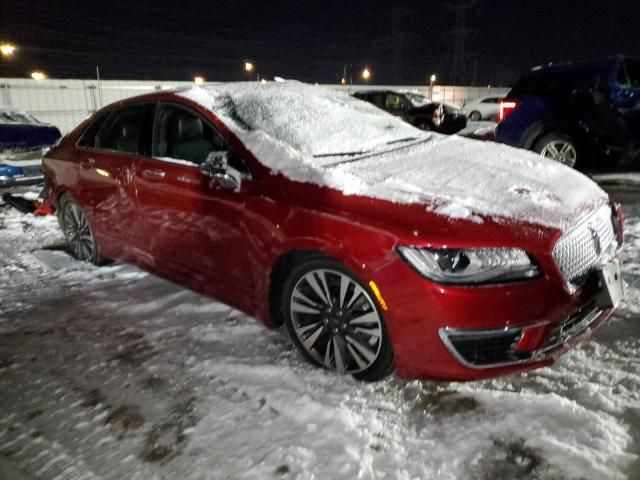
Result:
[589,242]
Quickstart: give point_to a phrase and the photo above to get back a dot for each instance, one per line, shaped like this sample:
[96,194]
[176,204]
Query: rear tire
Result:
[475,116]
[77,231]
[334,321]
[559,147]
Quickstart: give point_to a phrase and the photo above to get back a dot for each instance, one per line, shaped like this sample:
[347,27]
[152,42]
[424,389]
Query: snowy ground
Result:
[111,373]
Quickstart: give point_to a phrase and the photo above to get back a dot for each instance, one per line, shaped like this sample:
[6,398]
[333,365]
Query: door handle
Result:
[88,163]
[153,175]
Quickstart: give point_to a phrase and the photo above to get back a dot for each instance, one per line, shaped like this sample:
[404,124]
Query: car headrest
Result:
[126,131]
[188,129]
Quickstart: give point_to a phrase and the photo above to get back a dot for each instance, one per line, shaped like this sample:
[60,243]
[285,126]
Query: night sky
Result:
[309,40]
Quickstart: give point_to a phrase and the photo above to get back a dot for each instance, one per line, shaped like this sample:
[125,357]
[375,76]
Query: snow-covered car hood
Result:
[452,176]
[470,179]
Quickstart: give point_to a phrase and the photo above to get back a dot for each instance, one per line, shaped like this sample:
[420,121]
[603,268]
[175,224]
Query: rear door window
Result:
[395,101]
[125,131]
[378,99]
[88,138]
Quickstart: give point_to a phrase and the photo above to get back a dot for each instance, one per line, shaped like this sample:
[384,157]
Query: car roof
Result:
[576,66]
[384,90]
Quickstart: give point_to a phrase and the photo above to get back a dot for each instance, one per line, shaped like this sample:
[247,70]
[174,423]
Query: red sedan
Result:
[379,246]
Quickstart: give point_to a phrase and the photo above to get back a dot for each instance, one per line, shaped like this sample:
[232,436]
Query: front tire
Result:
[558,147]
[77,231]
[334,321]
[475,116]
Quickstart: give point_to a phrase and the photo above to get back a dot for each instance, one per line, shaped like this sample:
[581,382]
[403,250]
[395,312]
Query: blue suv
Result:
[584,114]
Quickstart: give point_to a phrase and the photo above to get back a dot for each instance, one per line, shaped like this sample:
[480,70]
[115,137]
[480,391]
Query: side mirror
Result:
[216,166]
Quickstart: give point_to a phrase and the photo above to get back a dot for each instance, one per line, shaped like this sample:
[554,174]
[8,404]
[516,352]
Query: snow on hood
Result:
[286,125]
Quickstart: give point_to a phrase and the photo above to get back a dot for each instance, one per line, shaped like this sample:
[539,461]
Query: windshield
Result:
[416,98]
[317,121]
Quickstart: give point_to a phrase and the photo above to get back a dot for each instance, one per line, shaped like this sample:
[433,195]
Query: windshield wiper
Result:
[369,154]
[402,140]
[342,154]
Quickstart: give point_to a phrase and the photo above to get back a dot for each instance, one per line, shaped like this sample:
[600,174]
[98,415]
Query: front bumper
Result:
[481,349]
[442,332]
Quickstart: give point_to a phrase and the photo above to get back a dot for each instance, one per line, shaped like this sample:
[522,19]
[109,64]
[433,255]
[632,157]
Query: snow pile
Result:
[286,125]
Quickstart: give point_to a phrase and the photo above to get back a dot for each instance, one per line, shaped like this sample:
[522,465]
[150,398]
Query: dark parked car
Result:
[22,141]
[416,110]
[585,115]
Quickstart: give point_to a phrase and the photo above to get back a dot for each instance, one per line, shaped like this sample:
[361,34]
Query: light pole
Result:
[433,81]
[366,74]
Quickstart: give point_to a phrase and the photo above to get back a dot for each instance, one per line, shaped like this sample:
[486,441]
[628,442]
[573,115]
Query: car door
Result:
[107,154]
[195,224]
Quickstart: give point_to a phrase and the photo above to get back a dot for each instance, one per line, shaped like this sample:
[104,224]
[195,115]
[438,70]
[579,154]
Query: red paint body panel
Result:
[172,220]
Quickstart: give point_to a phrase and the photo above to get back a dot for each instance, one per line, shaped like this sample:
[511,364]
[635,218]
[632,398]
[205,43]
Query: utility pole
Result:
[396,42]
[459,74]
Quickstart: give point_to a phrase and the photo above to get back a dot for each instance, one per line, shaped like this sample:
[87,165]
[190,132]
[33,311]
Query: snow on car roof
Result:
[10,115]
[287,125]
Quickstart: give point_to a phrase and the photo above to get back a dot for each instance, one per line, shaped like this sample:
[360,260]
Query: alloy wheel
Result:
[78,233]
[336,321]
[560,151]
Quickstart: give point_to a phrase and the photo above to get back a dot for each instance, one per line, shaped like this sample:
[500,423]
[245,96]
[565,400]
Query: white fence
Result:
[65,103]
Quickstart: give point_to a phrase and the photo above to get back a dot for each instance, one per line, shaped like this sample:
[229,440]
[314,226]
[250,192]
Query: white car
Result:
[484,108]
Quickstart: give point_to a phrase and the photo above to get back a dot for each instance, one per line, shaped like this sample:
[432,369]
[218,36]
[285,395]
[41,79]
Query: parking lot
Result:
[109,372]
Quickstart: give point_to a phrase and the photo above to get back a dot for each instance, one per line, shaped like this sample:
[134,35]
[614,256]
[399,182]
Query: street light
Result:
[198,80]
[38,75]
[366,74]
[248,67]
[7,49]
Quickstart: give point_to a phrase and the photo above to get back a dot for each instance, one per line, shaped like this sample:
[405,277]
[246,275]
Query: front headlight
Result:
[470,265]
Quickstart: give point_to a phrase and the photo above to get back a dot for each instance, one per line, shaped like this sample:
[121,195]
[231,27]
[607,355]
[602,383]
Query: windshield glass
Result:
[318,121]
[416,98]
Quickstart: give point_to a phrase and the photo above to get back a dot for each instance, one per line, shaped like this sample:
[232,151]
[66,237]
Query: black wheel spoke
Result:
[78,232]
